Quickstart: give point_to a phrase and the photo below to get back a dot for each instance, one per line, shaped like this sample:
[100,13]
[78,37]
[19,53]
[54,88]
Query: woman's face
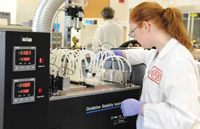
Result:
[142,34]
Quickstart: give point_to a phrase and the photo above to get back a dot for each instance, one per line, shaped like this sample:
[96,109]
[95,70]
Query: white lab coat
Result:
[110,32]
[170,87]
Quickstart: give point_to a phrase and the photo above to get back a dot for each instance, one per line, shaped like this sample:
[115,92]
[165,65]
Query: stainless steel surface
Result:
[2,76]
[68,22]
[113,75]
[67,29]
[192,28]
[105,88]
[124,78]
[77,25]
[66,83]
[188,25]
[67,37]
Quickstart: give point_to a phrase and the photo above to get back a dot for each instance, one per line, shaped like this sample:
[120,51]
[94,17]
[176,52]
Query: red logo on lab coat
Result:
[155,75]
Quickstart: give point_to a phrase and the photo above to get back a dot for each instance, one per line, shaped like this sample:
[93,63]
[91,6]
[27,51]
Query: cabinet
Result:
[56,40]
[191,21]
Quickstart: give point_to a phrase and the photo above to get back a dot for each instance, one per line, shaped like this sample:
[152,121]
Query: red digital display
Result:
[25,53]
[24,88]
[27,84]
[25,58]
[25,91]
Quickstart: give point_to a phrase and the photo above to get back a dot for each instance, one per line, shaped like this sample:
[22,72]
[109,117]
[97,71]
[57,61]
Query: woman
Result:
[170,94]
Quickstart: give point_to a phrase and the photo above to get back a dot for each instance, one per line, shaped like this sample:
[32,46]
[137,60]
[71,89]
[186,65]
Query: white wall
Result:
[133,3]
[121,10]
[186,2]
[9,6]
[21,10]
[166,3]
[26,10]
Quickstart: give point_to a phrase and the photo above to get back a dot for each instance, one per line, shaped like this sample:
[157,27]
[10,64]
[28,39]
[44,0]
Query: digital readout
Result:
[24,91]
[26,84]
[25,57]
[25,53]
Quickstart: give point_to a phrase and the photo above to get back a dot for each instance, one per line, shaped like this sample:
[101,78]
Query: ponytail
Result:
[173,25]
[169,19]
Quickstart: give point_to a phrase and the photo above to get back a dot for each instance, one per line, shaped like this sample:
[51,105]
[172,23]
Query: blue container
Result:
[89,22]
[57,27]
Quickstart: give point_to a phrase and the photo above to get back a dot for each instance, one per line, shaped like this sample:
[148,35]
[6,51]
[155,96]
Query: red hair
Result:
[169,19]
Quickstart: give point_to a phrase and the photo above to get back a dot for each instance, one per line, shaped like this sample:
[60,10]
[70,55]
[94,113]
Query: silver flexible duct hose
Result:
[44,15]
[38,12]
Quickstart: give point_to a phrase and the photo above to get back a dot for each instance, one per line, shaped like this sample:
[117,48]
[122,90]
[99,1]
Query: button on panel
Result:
[40,91]
[41,60]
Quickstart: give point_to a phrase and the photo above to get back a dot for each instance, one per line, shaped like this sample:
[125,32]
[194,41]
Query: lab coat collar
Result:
[168,47]
[108,21]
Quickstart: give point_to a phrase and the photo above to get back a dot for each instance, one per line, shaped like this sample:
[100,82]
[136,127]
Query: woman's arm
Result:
[139,55]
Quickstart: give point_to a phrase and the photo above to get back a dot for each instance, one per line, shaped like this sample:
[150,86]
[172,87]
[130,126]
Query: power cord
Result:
[59,69]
